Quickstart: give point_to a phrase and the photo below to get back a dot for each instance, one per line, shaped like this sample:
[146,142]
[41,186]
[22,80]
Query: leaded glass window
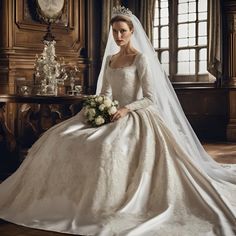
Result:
[180,38]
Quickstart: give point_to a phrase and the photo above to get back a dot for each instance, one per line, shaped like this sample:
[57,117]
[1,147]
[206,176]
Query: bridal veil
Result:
[167,103]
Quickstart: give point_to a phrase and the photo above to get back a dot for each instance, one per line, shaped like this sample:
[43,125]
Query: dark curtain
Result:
[215,55]
[107,6]
[146,16]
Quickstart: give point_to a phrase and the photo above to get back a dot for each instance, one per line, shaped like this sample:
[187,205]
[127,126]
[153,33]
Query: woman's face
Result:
[121,33]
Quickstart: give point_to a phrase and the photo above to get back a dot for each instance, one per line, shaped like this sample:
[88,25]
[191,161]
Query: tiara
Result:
[119,10]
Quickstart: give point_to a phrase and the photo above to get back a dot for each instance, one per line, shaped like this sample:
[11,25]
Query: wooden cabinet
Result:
[34,115]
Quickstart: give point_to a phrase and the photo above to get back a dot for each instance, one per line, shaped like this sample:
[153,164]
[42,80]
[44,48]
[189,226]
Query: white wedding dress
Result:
[129,177]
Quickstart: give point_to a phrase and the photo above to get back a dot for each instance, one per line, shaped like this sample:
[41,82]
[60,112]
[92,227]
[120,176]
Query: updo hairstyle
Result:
[123,19]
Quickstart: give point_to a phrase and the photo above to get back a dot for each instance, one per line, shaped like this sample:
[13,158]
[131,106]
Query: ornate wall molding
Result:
[230,43]
[231,18]
[23,32]
[27,17]
[69,30]
[230,68]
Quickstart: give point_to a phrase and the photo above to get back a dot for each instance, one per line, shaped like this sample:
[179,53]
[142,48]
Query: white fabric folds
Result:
[145,174]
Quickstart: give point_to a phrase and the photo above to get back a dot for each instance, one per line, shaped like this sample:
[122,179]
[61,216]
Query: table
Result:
[23,119]
[41,99]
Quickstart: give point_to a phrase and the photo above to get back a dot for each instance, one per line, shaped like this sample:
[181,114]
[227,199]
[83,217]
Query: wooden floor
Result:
[221,152]
[8,229]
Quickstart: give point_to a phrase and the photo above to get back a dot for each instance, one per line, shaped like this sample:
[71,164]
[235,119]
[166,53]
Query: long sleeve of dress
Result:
[147,88]
[106,87]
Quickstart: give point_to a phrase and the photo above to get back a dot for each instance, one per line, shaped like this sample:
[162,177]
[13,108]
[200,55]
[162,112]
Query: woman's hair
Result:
[124,19]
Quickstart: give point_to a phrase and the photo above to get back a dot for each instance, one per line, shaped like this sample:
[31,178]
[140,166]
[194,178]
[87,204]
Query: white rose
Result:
[101,107]
[112,110]
[99,120]
[92,112]
[116,102]
[107,102]
[93,104]
[100,99]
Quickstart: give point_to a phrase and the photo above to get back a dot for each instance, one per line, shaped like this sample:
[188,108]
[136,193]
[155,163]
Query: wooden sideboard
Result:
[34,114]
[41,99]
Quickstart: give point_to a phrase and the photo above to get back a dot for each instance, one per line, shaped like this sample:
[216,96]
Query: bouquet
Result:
[99,109]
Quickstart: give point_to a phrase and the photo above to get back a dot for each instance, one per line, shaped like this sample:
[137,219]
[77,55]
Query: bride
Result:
[144,173]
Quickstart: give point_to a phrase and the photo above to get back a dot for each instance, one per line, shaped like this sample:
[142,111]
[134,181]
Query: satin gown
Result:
[128,177]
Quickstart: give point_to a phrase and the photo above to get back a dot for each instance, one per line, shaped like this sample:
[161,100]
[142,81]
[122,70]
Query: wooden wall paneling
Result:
[21,40]
[5,25]
[231,47]
[206,110]
[93,40]
[231,127]
[28,33]
[230,65]
[23,34]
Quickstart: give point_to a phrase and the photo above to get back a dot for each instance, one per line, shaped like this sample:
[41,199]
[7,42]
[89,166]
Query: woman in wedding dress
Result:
[144,173]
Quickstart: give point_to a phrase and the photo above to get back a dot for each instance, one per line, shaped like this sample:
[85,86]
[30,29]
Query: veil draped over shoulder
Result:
[168,106]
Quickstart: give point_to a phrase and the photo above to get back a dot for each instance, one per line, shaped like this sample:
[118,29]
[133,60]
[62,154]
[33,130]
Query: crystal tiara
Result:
[119,10]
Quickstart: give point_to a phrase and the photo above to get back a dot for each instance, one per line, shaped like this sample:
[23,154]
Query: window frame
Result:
[173,47]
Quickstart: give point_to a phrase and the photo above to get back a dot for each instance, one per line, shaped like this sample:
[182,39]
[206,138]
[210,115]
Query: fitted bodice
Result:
[125,84]
[130,85]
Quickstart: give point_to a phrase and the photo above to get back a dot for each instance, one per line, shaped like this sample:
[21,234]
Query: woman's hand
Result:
[120,113]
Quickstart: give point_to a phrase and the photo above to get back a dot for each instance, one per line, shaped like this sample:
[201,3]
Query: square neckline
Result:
[116,68]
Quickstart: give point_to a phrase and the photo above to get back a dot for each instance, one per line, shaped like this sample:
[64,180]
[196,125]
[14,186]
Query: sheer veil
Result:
[168,106]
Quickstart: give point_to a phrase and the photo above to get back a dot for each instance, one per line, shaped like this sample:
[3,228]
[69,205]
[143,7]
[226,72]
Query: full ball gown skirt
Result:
[128,177]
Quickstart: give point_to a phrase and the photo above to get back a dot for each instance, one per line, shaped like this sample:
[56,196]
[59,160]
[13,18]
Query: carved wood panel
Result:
[29,31]
[22,39]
